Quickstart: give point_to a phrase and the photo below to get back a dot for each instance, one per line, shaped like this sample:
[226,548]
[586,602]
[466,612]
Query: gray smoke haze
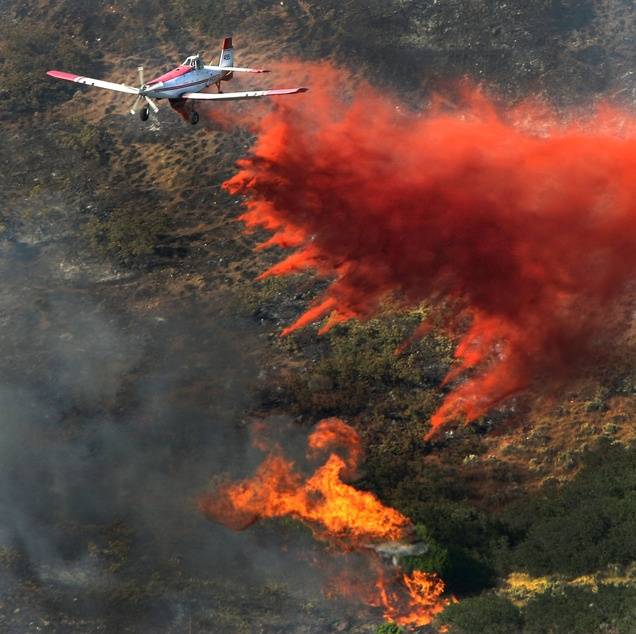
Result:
[111,425]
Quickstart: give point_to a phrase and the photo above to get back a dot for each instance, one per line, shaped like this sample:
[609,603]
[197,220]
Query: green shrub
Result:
[389,628]
[577,610]
[468,573]
[581,527]
[27,50]
[126,233]
[478,615]
[86,141]
[463,571]
[435,560]
[360,371]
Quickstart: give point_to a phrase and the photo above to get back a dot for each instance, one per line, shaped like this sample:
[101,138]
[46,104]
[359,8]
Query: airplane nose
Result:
[147,87]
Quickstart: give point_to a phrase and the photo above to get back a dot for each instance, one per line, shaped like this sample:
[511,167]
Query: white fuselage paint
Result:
[193,81]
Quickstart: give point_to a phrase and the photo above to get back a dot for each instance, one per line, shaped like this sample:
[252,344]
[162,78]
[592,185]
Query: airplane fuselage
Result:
[182,80]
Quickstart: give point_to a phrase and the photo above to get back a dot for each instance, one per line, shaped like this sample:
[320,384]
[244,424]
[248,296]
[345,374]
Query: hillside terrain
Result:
[139,346]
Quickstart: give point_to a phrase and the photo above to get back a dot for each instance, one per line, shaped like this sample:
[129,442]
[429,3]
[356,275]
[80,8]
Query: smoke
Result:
[519,222]
[112,422]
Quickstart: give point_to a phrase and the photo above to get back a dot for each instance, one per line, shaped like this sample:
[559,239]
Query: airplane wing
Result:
[236,69]
[252,94]
[78,79]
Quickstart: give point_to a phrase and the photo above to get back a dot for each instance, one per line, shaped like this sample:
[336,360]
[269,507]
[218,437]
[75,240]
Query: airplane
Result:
[183,84]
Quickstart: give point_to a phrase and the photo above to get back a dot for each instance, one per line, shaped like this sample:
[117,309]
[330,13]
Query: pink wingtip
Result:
[58,74]
[286,91]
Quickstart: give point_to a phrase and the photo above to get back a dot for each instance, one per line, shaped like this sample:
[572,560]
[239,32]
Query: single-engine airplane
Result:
[183,84]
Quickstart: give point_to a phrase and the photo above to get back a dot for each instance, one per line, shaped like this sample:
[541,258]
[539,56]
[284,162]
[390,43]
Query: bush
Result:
[463,571]
[87,143]
[359,366]
[126,233]
[389,628]
[582,527]
[578,610]
[27,50]
[487,613]
[467,572]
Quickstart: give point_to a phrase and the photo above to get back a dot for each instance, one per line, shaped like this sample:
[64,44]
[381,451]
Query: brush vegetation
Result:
[517,509]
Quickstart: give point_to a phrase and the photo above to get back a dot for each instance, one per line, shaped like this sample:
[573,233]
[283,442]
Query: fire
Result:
[334,510]
[522,221]
[410,600]
[415,601]
[337,513]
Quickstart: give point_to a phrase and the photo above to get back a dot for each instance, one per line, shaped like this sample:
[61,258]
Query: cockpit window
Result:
[194,62]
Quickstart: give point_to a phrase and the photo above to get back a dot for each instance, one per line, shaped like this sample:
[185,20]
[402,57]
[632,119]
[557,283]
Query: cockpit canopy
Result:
[194,61]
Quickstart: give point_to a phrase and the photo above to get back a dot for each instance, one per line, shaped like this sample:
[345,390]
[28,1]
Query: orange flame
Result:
[415,601]
[336,512]
[411,601]
[332,509]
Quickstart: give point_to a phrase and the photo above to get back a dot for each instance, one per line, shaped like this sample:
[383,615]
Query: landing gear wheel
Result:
[194,118]
[144,113]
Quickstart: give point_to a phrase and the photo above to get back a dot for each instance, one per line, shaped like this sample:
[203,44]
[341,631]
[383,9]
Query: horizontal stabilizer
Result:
[252,94]
[236,69]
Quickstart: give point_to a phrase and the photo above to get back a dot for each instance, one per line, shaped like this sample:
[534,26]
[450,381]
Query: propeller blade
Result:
[133,110]
[140,70]
[152,104]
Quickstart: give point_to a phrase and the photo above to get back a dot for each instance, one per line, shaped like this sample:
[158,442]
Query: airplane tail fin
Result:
[227,55]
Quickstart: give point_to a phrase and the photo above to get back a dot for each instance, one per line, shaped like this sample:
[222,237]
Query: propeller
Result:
[142,96]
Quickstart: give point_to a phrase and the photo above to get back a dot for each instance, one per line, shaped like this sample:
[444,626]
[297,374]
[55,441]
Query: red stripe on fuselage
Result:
[173,74]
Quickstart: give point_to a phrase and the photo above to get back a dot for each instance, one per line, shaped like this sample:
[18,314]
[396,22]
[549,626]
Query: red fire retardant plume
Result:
[525,225]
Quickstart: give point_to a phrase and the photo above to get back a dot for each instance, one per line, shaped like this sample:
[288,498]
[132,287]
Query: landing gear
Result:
[144,113]
[218,87]
[186,110]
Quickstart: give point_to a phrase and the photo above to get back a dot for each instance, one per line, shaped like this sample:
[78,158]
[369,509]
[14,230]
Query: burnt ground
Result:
[137,344]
